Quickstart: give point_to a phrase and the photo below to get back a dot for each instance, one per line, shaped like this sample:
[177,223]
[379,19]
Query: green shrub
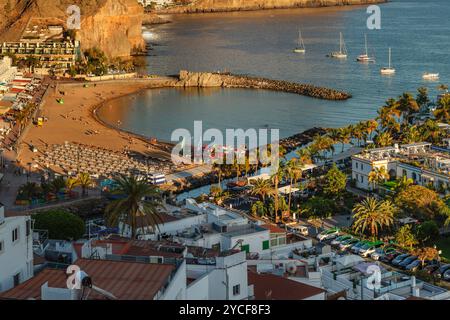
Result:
[61,225]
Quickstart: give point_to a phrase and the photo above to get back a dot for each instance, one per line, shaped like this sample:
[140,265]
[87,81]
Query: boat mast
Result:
[389,58]
[340,42]
[365,38]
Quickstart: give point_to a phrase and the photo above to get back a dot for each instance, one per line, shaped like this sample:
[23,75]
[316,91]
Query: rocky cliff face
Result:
[112,25]
[237,5]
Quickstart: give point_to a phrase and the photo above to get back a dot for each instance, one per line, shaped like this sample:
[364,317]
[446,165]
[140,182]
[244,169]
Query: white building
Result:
[16,250]
[224,280]
[7,71]
[156,3]
[420,162]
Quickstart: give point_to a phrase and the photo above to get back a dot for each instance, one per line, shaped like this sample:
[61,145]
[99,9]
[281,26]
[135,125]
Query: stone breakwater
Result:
[206,79]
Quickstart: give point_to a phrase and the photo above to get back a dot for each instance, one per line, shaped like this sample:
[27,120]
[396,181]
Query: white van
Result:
[299,229]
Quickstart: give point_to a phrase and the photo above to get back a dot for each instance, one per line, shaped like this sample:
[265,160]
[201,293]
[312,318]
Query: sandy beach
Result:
[73,121]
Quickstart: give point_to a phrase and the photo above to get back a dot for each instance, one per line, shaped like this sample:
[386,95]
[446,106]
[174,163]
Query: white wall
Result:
[177,287]
[17,257]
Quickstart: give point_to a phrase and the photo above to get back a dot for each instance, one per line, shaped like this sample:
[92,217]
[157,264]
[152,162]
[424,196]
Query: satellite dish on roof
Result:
[291,268]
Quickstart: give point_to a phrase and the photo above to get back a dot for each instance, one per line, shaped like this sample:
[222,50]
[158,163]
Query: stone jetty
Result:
[227,80]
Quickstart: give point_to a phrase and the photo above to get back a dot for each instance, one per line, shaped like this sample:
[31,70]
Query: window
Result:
[28,227]
[246,248]
[236,290]
[362,166]
[356,163]
[16,280]
[404,172]
[265,244]
[362,179]
[1,246]
[15,235]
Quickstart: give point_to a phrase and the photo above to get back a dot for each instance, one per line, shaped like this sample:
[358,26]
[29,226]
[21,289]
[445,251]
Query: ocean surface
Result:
[260,44]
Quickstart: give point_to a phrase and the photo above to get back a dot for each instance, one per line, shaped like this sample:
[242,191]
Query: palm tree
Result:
[384,139]
[411,134]
[276,178]
[403,183]
[343,137]
[71,183]
[407,105]
[431,131]
[442,113]
[378,175]
[262,188]
[373,215]
[85,182]
[294,172]
[58,184]
[138,207]
[29,190]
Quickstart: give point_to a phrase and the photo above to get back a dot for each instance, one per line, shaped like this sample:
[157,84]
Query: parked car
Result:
[348,244]
[382,252]
[340,239]
[407,261]
[398,259]
[370,248]
[387,258]
[357,246]
[446,275]
[415,265]
[432,267]
[442,269]
[328,234]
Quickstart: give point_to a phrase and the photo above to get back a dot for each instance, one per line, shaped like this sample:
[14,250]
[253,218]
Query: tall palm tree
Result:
[373,215]
[442,112]
[57,184]
[384,139]
[343,137]
[378,175]
[138,206]
[262,188]
[407,105]
[294,172]
[277,177]
[85,182]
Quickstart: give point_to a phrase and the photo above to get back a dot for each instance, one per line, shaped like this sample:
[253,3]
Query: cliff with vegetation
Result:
[111,25]
[192,6]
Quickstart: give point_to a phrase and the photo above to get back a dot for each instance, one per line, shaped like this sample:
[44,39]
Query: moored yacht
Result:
[365,56]
[342,53]
[301,45]
[430,76]
[388,70]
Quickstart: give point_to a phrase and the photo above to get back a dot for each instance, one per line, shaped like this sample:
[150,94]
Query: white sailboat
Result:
[430,76]
[342,54]
[389,70]
[365,56]
[301,45]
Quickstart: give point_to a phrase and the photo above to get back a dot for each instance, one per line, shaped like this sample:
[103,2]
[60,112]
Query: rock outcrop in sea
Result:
[208,79]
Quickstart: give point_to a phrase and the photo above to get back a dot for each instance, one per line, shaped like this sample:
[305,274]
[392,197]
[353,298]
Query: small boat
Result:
[430,76]
[301,45]
[365,56]
[388,70]
[342,53]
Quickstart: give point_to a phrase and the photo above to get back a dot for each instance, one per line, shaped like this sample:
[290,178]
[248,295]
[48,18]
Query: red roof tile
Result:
[125,280]
[273,228]
[271,287]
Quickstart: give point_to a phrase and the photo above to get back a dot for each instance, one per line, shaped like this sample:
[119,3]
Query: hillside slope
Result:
[112,25]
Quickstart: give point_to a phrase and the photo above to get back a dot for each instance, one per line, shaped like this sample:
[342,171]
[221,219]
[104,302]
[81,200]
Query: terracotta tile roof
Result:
[125,280]
[273,228]
[271,287]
